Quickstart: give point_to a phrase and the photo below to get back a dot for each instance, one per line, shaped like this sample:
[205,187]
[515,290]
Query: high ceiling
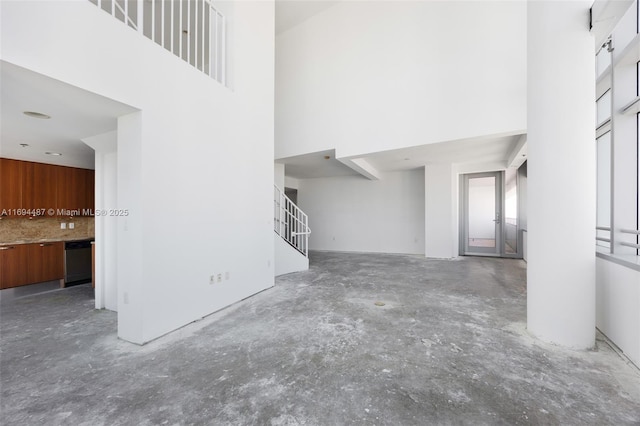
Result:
[469,152]
[75,114]
[477,151]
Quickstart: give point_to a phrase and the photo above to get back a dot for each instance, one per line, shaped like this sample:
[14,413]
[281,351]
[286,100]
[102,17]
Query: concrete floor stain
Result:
[448,347]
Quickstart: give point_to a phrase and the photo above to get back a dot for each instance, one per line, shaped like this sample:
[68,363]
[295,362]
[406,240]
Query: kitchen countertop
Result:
[46,240]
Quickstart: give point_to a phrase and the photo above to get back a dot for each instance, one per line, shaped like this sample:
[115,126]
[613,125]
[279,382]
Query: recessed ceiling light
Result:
[34,114]
[56,154]
[24,145]
[407,159]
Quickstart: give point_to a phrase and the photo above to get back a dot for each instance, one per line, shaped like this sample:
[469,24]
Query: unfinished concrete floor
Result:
[448,346]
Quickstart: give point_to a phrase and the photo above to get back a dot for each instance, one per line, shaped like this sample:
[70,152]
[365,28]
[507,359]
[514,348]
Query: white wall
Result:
[290,182]
[187,219]
[278,175]
[110,247]
[351,213]
[364,77]
[523,209]
[441,206]
[561,173]
[106,227]
[287,258]
[618,306]
[522,195]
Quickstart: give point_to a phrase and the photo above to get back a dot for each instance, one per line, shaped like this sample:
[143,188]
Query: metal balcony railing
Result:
[193,30]
[635,232]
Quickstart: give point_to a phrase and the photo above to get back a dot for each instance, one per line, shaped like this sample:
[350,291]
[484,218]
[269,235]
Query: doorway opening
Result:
[489,217]
[292,193]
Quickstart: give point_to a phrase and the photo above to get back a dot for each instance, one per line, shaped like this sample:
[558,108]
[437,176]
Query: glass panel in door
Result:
[482,215]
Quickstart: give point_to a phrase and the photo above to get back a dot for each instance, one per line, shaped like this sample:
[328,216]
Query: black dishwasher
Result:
[77,262]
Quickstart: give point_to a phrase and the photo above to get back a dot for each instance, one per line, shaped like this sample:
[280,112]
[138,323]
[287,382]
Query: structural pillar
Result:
[278,175]
[441,226]
[561,173]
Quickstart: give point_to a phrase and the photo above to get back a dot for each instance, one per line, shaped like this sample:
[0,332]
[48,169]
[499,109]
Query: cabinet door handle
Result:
[7,248]
[46,244]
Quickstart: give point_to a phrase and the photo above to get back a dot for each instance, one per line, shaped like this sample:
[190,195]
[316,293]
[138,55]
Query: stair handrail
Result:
[290,222]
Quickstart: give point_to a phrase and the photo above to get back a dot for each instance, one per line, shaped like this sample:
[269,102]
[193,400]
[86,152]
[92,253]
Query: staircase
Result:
[292,235]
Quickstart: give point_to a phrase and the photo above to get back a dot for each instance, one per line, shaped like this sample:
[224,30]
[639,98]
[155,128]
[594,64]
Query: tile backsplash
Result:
[20,230]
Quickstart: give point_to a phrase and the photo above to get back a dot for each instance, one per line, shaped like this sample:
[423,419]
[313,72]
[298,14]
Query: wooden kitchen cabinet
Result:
[23,264]
[39,186]
[25,185]
[11,173]
[45,261]
[75,189]
[13,265]
[68,198]
[89,192]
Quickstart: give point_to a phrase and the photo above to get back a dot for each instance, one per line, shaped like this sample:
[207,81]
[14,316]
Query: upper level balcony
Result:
[193,30]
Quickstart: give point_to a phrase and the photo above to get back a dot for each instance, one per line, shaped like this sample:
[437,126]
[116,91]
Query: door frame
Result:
[499,213]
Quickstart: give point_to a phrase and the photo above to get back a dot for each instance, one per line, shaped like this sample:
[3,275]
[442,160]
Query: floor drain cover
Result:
[379,303]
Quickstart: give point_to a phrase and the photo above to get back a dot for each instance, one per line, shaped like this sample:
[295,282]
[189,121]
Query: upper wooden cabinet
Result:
[69,189]
[27,185]
[11,172]
[90,189]
[75,189]
[39,186]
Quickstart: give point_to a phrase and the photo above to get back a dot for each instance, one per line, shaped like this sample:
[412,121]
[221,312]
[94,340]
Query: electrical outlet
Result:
[227,275]
[212,279]
[63,225]
[125,298]
[72,225]
[219,278]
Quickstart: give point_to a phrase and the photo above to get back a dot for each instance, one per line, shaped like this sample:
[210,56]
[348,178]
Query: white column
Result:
[106,243]
[441,225]
[278,175]
[561,173]
[133,289]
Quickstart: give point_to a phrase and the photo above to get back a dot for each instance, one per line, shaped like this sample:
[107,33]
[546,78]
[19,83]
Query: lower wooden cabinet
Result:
[13,265]
[24,264]
[46,262]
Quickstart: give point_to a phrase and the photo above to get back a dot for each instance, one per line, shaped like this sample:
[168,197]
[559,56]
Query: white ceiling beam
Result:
[491,166]
[361,166]
[104,142]
[518,154]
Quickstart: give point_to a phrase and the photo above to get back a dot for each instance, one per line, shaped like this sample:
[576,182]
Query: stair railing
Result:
[290,222]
